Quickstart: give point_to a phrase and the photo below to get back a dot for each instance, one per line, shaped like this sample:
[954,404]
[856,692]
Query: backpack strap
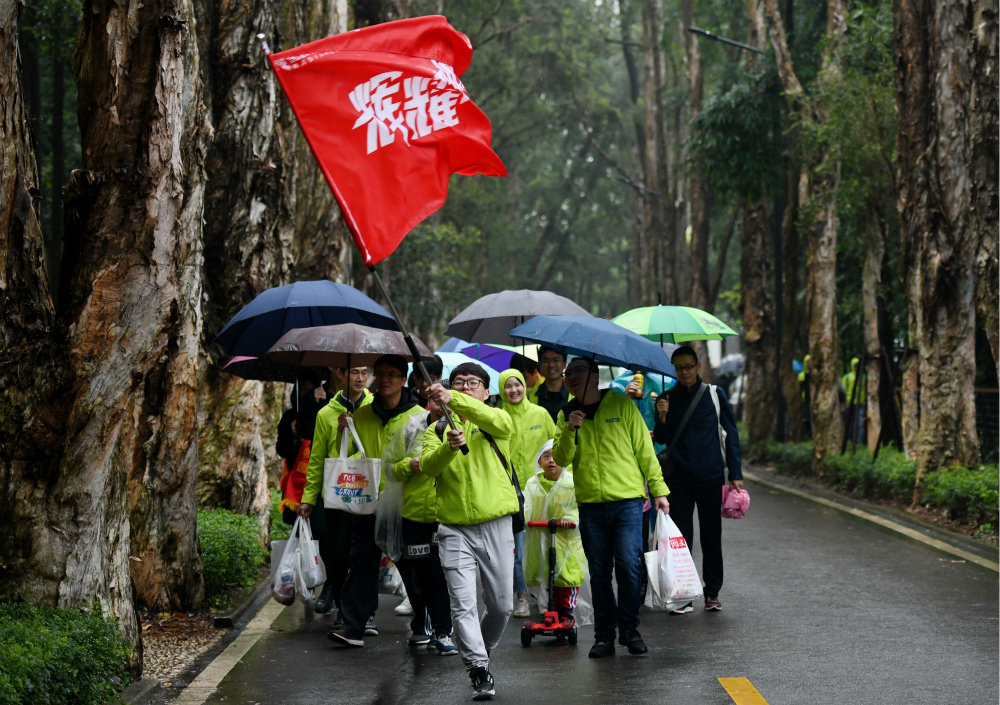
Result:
[722,432]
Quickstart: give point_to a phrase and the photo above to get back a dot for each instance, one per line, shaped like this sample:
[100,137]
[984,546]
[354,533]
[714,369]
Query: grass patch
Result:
[279,529]
[53,656]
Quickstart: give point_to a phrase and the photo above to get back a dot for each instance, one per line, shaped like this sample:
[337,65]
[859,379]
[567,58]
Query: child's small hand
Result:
[567,524]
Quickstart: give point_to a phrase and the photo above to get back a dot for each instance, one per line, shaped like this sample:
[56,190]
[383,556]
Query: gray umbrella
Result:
[490,318]
[345,345]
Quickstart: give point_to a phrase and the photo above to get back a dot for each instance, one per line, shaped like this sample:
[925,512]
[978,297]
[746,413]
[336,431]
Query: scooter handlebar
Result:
[562,524]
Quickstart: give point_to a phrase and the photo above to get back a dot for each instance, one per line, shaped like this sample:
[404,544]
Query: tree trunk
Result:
[983,148]
[871,280]
[759,403]
[55,237]
[700,194]
[933,57]
[790,308]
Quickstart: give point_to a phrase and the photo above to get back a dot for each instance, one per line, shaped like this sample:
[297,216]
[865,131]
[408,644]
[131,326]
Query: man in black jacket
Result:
[700,459]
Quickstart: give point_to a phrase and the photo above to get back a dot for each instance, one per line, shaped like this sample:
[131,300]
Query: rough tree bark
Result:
[983,148]
[822,172]
[759,417]
[871,280]
[790,306]
[700,194]
[933,47]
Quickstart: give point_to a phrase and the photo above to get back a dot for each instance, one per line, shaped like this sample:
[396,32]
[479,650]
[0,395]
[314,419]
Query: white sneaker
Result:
[521,607]
[404,608]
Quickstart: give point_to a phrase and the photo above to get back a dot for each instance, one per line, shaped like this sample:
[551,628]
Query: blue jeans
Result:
[519,585]
[612,539]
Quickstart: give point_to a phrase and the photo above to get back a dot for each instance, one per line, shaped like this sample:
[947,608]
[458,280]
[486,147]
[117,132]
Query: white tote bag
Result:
[310,564]
[351,484]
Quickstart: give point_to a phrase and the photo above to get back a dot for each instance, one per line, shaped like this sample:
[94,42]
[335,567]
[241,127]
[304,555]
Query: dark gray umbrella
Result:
[264,370]
[490,318]
[345,345]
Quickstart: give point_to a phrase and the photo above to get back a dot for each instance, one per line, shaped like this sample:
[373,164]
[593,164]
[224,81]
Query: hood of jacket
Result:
[513,409]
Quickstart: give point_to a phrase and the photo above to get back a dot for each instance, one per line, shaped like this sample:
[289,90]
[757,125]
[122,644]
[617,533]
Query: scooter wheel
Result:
[571,637]
[525,637]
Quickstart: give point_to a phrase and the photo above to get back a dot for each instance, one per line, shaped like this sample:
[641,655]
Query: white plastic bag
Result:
[405,443]
[389,580]
[310,563]
[284,566]
[673,578]
[351,484]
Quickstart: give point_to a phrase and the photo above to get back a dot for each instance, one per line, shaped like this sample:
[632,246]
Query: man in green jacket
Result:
[604,437]
[376,423]
[475,498]
[326,444]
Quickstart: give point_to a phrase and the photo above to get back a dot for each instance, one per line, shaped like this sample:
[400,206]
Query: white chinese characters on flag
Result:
[389,120]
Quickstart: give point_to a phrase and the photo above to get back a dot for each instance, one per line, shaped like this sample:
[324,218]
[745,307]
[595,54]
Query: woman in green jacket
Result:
[532,427]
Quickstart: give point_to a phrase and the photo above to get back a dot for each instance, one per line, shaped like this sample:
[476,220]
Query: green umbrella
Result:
[674,324]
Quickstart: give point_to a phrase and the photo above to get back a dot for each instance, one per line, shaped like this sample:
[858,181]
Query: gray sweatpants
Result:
[489,545]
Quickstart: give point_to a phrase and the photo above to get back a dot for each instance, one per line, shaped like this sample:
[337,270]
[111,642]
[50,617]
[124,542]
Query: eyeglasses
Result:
[467,383]
[685,368]
[391,376]
[578,372]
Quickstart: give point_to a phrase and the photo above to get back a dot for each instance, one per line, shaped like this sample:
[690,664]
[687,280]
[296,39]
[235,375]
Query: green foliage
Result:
[231,552]
[52,656]
[279,529]
[966,492]
[738,138]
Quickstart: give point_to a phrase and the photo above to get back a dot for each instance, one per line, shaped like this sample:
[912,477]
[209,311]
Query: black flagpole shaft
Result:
[417,362]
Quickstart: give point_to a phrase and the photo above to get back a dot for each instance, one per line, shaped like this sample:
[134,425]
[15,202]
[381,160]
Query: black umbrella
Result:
[488,319]
[347,345]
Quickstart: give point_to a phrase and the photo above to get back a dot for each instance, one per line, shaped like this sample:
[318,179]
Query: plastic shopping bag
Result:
[390,581]
[734,503]
[310,564]
[673,579]
[405,443]
[284,566]
[351,484]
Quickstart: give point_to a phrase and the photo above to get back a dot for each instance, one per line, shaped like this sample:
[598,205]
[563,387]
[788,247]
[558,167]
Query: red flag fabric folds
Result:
[389,120]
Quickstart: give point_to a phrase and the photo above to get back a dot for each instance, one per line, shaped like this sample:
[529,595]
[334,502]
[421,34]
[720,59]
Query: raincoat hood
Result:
[513,409]
[538,456]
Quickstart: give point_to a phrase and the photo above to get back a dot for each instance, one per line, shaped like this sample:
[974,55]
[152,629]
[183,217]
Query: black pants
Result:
[359,597]
[420,568]
[685,495]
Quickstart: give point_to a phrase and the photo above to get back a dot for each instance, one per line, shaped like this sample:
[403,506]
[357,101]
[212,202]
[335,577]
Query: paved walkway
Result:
[819,607]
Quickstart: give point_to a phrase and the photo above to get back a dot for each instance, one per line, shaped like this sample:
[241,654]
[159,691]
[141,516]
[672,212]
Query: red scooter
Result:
[552,624]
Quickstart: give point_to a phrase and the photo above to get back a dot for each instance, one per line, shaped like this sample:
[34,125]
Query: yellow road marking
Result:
[868,516]
[742,691]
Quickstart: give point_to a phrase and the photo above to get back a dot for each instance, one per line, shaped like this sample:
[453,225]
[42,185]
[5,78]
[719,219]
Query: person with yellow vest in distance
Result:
[389,411]
[532,427]
[604,437]
[475,500]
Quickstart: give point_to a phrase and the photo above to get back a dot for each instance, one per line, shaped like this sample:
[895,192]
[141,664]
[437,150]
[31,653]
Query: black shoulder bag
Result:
[666,467]
[516,519]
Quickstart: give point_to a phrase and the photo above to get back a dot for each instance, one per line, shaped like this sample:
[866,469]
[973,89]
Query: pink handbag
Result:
[734,503]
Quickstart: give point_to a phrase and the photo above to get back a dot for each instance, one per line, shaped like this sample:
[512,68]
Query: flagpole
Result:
[417,361]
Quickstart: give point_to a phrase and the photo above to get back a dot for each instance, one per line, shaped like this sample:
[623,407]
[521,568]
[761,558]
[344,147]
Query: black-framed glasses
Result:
[685,368]
[388,375]
[467,384]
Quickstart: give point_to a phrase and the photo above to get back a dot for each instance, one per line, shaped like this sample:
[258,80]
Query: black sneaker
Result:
[345,638]
[324,603]
[483,687]
[338,623]
[602,647]
[419,639]
[633,641]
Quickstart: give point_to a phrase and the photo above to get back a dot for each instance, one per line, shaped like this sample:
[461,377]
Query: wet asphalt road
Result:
[818,607]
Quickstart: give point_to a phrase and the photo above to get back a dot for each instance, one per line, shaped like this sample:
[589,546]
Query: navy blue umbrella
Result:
[596,339]
[274,312]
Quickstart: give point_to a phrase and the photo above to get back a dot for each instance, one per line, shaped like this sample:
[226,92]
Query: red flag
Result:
[389,120]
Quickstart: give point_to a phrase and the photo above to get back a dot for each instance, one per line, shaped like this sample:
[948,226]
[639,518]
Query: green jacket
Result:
[848,381]
[419,494]
[473,488]
[614,454]
[376,434]
[532,428]
[545,499]
[326,444]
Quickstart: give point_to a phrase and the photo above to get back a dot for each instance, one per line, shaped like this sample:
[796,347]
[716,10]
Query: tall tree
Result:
[933,46]
[821,173]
